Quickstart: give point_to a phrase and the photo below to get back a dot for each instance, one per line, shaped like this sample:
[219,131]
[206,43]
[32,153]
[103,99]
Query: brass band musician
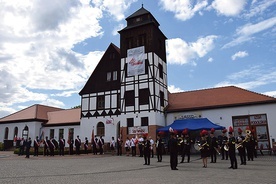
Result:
[232,149]
[222,139]
[213,146]
[186,146]
[240,140]
[204,148]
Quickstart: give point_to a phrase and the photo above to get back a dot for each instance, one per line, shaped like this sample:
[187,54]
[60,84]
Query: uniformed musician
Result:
[232,149]
[186,148]
[61,145]
[222,139]
[204,148]
[146,149]
[77,145]
[36,146]
[173,149]
[213,146]
[159,147]
[240,140]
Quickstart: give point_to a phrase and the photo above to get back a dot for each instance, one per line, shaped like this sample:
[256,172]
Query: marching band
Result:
[209,146]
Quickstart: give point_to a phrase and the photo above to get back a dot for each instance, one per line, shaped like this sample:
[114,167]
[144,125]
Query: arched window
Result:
[6,133]
[100,129]
[15,134]
[25,132]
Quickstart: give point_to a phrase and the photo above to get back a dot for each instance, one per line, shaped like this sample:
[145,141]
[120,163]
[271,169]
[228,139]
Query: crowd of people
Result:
[179,144]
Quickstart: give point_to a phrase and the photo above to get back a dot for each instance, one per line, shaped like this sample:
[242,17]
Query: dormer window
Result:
[138,19]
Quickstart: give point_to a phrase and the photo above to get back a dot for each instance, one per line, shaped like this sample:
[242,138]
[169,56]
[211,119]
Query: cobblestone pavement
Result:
[107,169]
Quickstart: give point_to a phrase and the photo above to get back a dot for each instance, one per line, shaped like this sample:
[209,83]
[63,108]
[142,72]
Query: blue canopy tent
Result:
[191,125]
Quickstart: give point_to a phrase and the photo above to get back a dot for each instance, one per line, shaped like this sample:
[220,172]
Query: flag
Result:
[41,137]
[92,136]
[108,121]
[15,138]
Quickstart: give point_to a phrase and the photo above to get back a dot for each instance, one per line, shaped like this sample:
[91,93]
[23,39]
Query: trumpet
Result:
[201,146]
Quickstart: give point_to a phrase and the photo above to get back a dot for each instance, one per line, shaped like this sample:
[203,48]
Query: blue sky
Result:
[50,48]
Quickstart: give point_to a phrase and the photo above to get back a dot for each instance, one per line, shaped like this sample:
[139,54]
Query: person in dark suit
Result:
[85,145]
[28,147]
[119,146]
[36,146]
[51,147]
[21,147]
[213,146]
[159,148]
[71,145]
[232,149]
[101,144]
[147,150]
[46,146]
[94,145]
[173,149]
[77,145]
[61,144]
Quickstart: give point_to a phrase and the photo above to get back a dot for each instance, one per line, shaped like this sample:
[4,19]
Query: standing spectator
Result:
[127,146]
[119,146]
[151,147]
[86,145]
[71,145]
[95,145]
[147,150]
[46,146]
[36,146]
[159,148]
[101,144]
[61,144]
[21,147]
[133,146]
[77,145]
[140,145]
[112,145]
[28,147]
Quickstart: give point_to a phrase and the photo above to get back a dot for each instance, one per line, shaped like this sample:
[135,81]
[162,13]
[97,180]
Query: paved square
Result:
[107,169]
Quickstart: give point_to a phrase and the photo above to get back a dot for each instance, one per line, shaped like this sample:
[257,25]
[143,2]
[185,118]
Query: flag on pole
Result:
[92,136]
[41,137]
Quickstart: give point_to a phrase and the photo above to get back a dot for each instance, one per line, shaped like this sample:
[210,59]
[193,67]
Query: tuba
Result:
[247,137]
[226,147]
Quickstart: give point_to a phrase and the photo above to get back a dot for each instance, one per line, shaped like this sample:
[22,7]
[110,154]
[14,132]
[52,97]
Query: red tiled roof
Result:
[34,112]
[215,98]
[69,116]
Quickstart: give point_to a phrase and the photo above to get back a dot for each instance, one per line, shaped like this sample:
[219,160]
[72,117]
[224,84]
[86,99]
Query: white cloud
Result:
[229,7]
[270,93]
[181,52]
[116,8]
[259,7]
[245,79]
[210,60]
[183,10]
[239,54]
[173,89]
[53,103]
[246,32]
[117,28]
[36,41]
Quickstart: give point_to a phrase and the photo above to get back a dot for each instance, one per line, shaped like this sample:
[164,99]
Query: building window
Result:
[15,132]
[144,121]
[130,123]
[143,96]
[162,98]
[114,75]
[129,98]
[71,133]
[160,67]
[61,133]
[118,101]
[141,40]
[52,133]
[108,76]
[100,129]
[6,133]
[100,102]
